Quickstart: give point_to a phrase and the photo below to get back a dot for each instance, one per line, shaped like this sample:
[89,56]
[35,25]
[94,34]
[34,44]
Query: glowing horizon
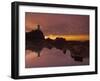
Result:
[69,37]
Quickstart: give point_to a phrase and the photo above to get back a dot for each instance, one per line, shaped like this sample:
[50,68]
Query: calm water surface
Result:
[54,58]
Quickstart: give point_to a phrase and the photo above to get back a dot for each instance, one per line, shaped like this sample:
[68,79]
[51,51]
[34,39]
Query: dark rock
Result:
[35,35]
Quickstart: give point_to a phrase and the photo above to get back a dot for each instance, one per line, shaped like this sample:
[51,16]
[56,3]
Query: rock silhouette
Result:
[35,41]
[35,35]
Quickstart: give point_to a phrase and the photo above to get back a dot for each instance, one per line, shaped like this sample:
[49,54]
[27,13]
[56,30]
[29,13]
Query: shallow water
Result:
[53,58]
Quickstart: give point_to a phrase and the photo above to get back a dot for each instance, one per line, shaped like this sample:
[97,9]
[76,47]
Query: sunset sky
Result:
[58,24]
[67,26]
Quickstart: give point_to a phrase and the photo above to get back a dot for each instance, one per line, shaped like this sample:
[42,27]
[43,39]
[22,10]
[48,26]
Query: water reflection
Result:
[51,53]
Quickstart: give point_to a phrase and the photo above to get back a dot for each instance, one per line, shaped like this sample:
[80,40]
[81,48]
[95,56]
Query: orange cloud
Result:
[69,37]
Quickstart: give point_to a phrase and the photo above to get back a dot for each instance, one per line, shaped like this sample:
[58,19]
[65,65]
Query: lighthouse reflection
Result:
[45,54]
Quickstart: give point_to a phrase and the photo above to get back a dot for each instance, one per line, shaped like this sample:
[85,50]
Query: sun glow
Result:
[69,37]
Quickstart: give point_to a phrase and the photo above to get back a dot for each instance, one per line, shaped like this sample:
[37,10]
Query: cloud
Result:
[58,23]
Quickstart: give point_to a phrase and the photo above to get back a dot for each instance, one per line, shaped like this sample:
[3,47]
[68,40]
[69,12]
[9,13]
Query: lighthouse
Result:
[35,35]
[38,27]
